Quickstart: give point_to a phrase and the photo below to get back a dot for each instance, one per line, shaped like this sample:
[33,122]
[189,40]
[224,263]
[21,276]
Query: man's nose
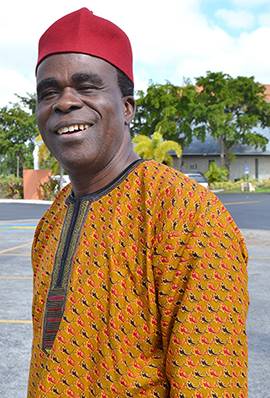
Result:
[68,101]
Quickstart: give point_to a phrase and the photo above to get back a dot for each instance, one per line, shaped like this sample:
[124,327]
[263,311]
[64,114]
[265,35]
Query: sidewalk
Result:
[258,321]
[257,238]
[27,201]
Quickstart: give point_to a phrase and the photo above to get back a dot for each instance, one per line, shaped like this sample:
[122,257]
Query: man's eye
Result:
[87,89]
[47,94]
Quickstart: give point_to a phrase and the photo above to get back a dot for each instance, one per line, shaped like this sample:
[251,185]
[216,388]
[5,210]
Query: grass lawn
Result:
[257,190]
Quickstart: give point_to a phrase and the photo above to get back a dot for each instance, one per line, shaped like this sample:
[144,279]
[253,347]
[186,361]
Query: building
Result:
[249,160]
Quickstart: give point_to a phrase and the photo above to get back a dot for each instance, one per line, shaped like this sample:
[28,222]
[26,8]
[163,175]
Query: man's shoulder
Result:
[57,208]
[163,176]
[159,172]
[60,200]
[165,183]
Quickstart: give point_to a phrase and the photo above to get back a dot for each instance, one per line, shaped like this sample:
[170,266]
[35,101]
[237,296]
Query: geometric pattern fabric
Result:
[140,289]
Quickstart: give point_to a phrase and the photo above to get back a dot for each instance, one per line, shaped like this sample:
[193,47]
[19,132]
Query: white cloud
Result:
[264,19]
[236,19]
[221,61]
[246,56]
[254,54]
[11,83]
[169,41]
[249,3]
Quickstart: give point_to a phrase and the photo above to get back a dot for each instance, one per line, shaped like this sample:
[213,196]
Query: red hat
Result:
[83,32]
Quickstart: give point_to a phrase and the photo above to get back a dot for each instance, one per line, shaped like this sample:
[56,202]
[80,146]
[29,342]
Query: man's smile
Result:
[73,128]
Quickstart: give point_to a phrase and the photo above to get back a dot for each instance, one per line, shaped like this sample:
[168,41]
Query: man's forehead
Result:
[77,66]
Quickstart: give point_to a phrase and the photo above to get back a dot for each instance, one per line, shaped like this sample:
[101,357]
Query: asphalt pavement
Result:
[249,210]
[17,224]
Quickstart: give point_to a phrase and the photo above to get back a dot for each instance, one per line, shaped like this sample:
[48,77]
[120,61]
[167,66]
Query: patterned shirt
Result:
[140,289]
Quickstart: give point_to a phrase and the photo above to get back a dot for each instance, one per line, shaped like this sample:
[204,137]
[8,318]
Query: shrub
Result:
[49,189]
[225,185]
[231,186]
[264,183]
[11,187]
[215,173]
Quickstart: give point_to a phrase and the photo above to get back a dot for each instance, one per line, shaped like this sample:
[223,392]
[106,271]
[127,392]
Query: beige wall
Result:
[31,181]
[237,169]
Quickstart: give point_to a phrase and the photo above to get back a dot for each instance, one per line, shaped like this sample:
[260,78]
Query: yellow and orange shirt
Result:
[140,289]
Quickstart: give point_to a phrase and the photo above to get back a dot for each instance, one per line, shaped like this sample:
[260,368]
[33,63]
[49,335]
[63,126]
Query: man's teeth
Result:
[75,127]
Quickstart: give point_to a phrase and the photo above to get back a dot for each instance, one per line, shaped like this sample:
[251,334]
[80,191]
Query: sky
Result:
[172,40]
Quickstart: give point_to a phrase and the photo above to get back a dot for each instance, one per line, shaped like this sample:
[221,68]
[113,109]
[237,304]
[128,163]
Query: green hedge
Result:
[233,186]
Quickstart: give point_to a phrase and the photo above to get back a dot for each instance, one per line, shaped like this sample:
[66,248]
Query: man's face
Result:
[80,111]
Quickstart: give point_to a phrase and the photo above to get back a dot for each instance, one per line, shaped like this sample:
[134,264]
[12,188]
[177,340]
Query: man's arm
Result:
[201,277]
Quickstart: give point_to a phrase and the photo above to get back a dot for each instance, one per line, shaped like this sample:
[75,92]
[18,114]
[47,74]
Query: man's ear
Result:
[129,109]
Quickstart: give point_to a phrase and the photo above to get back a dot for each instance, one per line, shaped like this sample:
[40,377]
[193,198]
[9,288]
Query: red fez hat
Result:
[83,32]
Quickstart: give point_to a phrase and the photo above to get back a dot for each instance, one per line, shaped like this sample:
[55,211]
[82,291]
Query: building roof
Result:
[267,92]
[211,147]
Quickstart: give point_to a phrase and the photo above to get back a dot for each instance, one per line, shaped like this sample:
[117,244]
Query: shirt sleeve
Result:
[200,267]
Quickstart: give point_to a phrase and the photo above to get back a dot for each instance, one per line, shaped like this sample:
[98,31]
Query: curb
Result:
[27,201]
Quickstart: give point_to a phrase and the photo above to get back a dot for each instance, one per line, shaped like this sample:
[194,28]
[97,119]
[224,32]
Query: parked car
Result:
[198,177]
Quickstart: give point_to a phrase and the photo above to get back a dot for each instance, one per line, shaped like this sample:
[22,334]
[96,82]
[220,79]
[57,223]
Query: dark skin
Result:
[84,120]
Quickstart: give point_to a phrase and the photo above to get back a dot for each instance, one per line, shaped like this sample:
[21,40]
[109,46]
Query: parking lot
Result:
[17,226]
[15,307]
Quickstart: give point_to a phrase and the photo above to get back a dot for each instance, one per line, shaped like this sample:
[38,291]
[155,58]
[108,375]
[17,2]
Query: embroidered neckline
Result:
[92,197]
[73,223]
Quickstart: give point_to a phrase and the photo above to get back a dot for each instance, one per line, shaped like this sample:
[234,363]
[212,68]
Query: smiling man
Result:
[140,282]
[83,118]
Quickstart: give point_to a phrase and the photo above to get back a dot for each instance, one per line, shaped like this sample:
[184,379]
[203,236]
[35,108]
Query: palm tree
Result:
[44,155]
[216,174]
[156,148]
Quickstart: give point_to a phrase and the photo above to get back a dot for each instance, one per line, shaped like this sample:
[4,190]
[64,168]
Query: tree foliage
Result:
[168,107]
[156,148]
[229,109]
[18,129]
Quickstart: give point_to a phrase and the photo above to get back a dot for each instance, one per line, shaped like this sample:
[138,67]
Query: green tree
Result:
[10,164]
[169,107]
[229,109]
[29,102]
[18,130]
[156,148]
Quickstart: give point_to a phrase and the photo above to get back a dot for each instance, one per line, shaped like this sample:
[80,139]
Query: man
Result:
[140,281]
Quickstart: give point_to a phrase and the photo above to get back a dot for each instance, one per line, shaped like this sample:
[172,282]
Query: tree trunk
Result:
[227,160]
[180,162]
[19,159]
[225,156]
[18,167]
[222,152]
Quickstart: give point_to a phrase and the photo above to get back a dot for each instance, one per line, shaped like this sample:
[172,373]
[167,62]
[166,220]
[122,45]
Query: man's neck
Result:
[85,183]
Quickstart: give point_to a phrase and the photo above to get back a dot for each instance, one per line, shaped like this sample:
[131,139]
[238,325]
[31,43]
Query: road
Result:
[20,211]
[249,210]
[17,224]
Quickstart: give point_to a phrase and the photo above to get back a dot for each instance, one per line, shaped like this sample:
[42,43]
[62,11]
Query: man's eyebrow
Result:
[94,78]
[50,81]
